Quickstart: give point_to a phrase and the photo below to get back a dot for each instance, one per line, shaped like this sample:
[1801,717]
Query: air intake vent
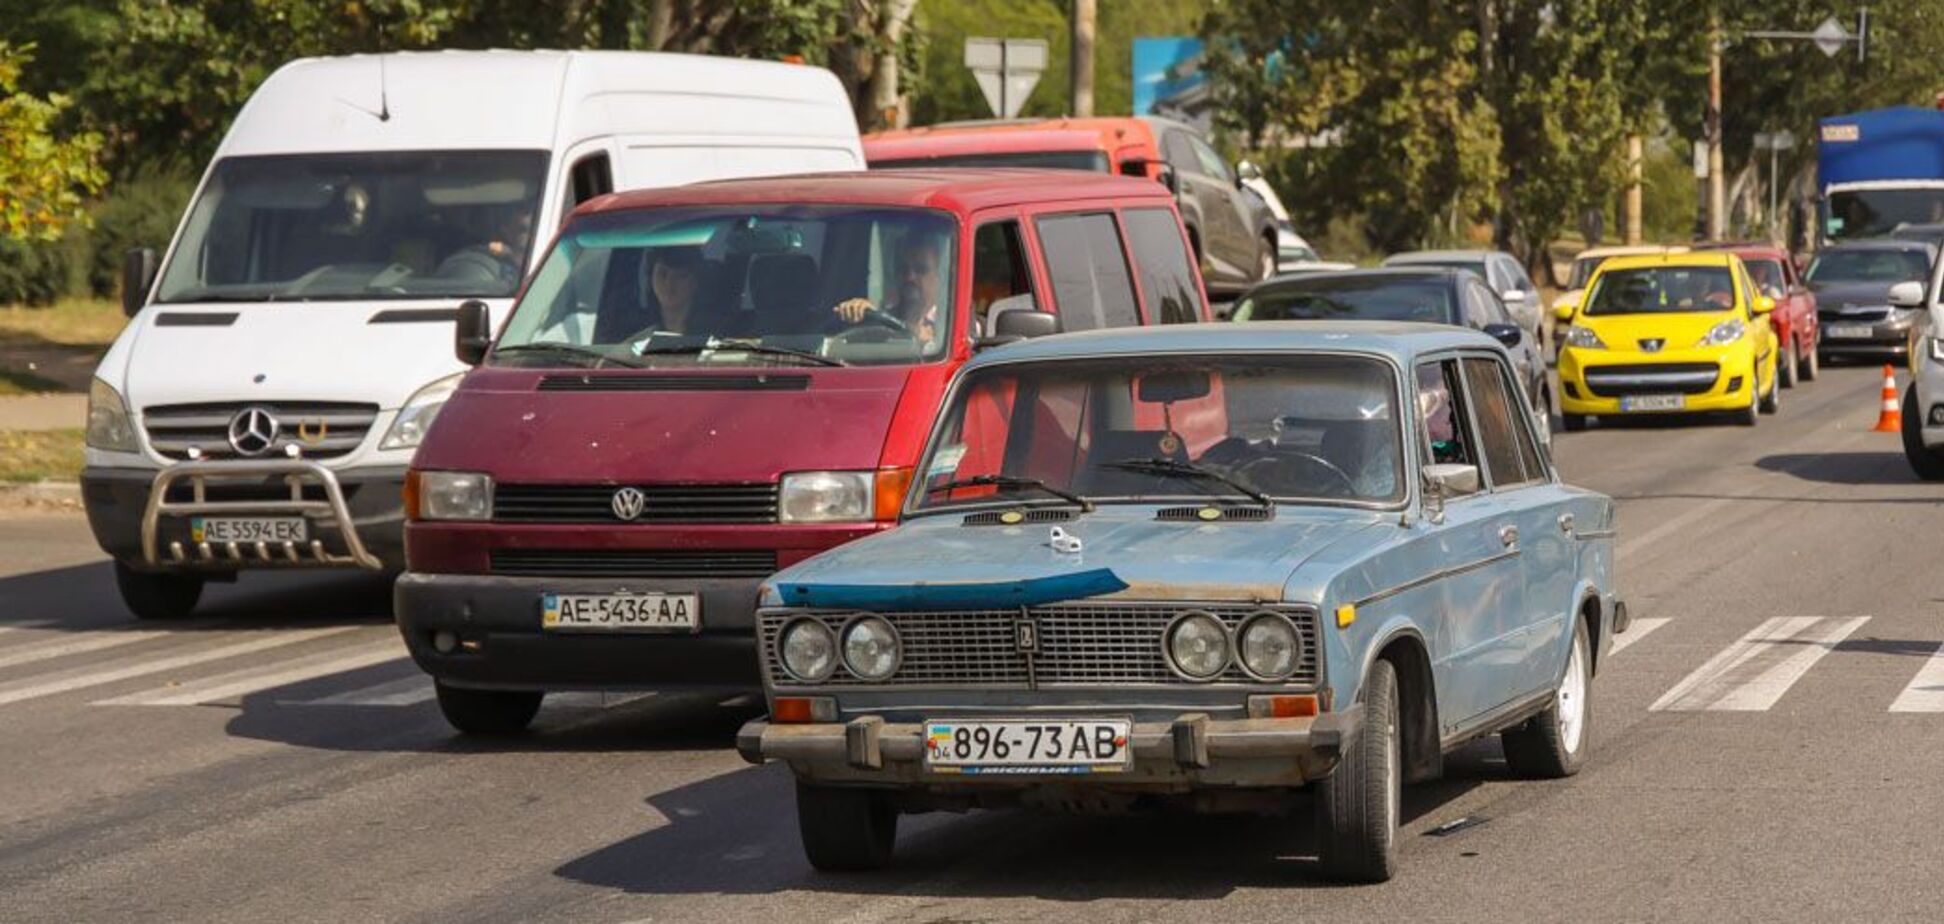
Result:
[1213,514]
[696,382]
[1017,517]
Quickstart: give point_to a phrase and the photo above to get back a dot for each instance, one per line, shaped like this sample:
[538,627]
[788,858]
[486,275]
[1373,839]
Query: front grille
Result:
[1078,644]
[1652,379]
[653,382]
[319,429]
[625,563]
[666,503]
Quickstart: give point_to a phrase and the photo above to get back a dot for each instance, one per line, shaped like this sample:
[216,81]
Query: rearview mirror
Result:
[1169,387]
[138,274]
[1907,294]
[1508,334]
[474,332]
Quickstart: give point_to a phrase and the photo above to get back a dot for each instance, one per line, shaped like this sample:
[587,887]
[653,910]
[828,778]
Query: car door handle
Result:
[1508,535]
[1566,523]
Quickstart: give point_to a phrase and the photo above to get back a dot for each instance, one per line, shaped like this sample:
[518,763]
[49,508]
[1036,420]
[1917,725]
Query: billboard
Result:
[1168,80]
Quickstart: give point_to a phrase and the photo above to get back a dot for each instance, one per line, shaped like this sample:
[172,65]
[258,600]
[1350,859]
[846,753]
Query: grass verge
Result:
[27,456]
[79,322]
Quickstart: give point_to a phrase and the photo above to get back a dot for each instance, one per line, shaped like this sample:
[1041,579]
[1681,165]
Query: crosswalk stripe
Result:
[88,641]
[405,691]
[266,676]
[127,668]
[1636,631]
[1926,690]
[591,699]
[1782,649]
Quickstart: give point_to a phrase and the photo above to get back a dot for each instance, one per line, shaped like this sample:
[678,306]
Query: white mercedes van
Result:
[289,350]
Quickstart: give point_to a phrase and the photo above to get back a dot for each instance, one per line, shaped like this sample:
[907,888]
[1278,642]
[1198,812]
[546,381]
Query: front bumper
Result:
[1189,752]
[140,516]
[496,620]
[1601,381]
[1887,337]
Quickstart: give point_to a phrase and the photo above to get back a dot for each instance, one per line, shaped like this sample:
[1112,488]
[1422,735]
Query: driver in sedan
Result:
[915,304]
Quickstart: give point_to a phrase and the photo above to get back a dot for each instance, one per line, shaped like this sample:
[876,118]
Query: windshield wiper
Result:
[747,346]
[1159,466]
[599,356]
[1013,481]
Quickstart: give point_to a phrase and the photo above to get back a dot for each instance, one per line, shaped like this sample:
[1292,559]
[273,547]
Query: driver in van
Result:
[915,304]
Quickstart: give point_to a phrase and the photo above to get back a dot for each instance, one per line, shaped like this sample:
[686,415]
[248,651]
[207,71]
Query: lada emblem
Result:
[628,503]
[253,430]
[1025,635]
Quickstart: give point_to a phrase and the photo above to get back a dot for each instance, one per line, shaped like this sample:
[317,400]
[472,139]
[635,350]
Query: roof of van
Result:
[1402,340]
[522,100]
[1008,136]
[955,188]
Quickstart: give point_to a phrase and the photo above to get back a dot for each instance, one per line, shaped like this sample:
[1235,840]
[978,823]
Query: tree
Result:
[45,180]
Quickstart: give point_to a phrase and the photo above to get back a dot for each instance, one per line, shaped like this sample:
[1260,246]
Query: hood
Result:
[1833,296]
[665,428]
[1154,560]
[377,352]
[1680,330]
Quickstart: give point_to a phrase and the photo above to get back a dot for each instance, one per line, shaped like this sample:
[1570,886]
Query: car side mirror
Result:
[1170,178]
[1014,318]
[1246,170]
[1764,304]
[1513,296]
[1907,294]
[138,274]
[1445,481]
[474,333]
[1508,334]
[1565,308]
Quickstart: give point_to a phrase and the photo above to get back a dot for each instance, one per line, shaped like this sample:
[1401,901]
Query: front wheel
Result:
[1928,463]
[1359,804]
[845,830]
[1553,743]
[487,712]
[158,595]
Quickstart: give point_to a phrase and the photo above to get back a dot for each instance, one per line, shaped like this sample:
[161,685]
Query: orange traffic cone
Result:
[1891,419]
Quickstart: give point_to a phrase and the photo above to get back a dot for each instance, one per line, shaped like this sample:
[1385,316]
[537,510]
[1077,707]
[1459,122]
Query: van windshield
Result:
[750,285]
[359,226]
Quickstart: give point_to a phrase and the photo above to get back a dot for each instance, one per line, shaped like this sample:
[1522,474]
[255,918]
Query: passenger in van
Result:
[675,278]
[915,304]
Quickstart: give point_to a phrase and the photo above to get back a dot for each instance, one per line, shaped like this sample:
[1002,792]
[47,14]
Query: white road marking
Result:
[126,668]
[1926,690]
[84,642]
[267,676]
[1782,648]
[1635,632]
[590,699]
[405,691]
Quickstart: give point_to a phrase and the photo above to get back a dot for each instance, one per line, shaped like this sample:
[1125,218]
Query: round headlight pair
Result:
[1198,646]
[869,649]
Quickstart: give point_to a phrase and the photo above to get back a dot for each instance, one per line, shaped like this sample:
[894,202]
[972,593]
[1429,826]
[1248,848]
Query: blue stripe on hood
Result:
[996,595]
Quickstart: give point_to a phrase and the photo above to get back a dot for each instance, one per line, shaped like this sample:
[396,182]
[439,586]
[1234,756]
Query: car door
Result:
[1202,204]
[1232,208]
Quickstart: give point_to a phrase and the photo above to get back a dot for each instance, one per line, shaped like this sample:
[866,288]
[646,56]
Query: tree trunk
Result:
[1631,221]
[887,98]
[1081,66]
[661,22]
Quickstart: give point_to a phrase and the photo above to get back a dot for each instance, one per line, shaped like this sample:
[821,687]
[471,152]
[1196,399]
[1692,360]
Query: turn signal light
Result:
[799,710]
[889,493]
[412,494]
[1282,707]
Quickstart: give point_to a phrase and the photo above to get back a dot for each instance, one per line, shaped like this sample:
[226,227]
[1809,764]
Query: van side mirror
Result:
[1508,334]
[138,274]
[1907,294]
[474,332]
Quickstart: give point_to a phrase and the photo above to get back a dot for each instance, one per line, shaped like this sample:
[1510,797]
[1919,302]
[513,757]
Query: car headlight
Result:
[1725,333]
[1268,646]
[825,497]
[416,417]
[109,426]
[871,649]
[449,495]
[1584,338]
[1197,645]
[808,651]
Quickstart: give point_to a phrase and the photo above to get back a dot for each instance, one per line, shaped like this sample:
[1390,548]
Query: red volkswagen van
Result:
[703,384]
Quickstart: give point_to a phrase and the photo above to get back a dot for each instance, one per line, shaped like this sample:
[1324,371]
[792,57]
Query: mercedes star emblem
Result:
[253,430]
[627,503]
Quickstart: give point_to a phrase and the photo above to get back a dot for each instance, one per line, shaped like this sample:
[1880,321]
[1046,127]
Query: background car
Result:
[1233,230]
[1794,317]
[1869,295]
[1433,295]
[1499,269]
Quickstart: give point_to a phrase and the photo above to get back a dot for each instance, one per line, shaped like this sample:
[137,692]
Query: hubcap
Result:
[1395,784]
[1572,700]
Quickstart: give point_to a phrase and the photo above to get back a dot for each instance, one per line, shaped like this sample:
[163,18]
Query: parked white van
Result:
[289,351]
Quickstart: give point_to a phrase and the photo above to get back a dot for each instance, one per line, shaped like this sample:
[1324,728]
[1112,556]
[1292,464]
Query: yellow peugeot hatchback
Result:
[1678,333]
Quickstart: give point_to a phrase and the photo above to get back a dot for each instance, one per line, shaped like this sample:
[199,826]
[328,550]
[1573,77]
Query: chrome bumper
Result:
[296,473]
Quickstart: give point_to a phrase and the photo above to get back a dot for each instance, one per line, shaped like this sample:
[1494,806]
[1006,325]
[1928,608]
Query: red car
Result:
[1794,318]
[704,384]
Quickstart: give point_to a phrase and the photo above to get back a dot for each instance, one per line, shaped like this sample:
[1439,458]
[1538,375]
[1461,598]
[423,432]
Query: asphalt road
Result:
[1766,746]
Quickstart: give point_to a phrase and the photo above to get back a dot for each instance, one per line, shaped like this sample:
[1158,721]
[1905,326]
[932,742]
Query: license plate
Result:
[1849,331]
[1028,746]
[621,612]
[1653,403]
[219,530]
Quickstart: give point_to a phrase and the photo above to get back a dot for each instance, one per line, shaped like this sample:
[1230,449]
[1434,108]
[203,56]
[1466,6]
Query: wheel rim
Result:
[1394,783]
[1794,363]
[1572,700]
[1268,265]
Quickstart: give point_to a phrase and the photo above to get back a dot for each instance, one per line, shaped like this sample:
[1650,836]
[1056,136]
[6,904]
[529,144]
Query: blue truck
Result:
[1879,170]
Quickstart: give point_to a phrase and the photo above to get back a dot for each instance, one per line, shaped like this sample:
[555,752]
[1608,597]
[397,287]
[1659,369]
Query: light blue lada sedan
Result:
[1210,566]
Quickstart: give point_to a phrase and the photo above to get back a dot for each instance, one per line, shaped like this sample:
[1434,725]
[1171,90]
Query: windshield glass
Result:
[1095,161]
[1768,277]
[359,226]
[1369,299]
[1886,266]
[1130,429]
[1650,290]
[741,285]
[1859,213]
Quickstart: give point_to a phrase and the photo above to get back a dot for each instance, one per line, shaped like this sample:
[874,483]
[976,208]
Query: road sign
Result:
[1007,70]
[1830,37]
[1700,159]
[1774,141]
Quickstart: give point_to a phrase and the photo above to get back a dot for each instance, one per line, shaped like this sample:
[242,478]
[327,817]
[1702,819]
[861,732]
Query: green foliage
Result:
[140,210]
[44,179]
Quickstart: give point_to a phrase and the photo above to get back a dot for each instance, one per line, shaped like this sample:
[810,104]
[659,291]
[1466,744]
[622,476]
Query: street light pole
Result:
[1717,190]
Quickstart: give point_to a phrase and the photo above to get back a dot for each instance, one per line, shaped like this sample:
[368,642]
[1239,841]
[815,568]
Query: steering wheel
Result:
[1271,466]
[877,317]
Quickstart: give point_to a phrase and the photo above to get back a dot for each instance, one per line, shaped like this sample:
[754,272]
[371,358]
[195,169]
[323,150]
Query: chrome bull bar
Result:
[295,473]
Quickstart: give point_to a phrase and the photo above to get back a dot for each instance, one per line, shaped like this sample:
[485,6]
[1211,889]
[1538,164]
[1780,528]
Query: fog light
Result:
[1734,384]
[443,641]
[1197,646]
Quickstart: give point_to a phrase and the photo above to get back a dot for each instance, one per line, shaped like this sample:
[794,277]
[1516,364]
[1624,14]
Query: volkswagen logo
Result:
[253,430]
[627,503]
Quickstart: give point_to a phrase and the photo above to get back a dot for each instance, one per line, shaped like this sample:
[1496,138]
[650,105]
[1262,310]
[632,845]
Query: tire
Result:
[1358,806]
[1772,402]
[1812,366]
[1788,373]
[494,713]
[845,830]
[1572,423]
[1553,744]
[1926,462]
[155,595]
[1751,415]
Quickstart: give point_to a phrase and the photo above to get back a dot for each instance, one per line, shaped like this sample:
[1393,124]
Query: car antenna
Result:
[384,98]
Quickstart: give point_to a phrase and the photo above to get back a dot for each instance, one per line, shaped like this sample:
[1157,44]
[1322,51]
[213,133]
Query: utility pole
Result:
[1717,187]
[1630,221]
[1080,66]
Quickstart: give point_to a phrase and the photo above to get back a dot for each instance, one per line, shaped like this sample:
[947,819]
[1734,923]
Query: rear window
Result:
[1352,299]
